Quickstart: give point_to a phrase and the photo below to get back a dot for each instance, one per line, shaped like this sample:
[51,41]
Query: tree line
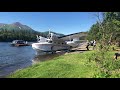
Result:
[10,35]
[107,28]
[27,35]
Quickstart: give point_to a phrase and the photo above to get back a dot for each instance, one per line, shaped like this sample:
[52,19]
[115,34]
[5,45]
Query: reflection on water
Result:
[46,56]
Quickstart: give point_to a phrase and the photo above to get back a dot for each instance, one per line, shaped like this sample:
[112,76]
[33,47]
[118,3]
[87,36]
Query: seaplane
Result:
[50,44]
[55,43]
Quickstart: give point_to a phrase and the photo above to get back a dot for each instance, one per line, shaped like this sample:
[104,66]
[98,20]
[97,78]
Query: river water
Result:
[13,58]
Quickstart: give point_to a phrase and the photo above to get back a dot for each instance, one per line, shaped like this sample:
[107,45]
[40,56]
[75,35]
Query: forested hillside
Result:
[9,32]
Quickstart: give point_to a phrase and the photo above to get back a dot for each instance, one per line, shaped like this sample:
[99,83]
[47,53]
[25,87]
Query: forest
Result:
[27,35]
[107,28]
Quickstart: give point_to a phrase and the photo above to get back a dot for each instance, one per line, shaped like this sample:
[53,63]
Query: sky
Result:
[59,22]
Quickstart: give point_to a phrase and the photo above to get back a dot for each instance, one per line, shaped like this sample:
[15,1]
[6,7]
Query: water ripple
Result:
[13,58]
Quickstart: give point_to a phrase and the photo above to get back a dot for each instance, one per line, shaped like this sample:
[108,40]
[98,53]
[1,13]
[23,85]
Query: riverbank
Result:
[69,65]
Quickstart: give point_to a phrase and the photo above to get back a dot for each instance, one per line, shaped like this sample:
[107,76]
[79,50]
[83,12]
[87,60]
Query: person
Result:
[87,45]
[94,44]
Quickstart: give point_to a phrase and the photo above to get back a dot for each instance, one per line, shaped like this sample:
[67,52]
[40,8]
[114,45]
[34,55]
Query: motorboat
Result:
[50,44]
[19,43]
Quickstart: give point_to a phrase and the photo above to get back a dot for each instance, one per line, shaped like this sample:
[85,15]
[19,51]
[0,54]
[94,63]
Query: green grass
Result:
[72,65]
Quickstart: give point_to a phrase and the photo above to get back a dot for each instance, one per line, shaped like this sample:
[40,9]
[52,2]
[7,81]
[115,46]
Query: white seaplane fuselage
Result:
[51,44]
[47,47]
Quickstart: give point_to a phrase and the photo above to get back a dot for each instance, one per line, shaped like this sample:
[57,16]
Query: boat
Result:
[50,44]
[19,43]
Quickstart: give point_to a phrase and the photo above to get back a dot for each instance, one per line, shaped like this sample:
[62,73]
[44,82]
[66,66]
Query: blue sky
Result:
[60,22]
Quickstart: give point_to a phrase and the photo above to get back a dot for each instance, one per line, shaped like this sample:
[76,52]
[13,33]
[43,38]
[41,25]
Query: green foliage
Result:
[67,66]
[94,33]
[106,30]
[8,36]
[109,28]
[106,63]
[92,64]
[10,32]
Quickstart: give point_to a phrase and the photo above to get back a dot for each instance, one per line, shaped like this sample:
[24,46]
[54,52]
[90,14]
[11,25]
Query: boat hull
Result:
[19,44]
[49,47]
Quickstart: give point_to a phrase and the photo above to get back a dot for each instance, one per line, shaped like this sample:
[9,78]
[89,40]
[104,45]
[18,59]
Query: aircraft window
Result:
[50,41]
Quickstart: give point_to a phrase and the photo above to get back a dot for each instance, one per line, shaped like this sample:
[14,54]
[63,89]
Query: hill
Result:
[16,30]
[47,32]
[14,26]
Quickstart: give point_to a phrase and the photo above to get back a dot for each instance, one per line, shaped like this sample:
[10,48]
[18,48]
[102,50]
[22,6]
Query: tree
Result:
[107,27]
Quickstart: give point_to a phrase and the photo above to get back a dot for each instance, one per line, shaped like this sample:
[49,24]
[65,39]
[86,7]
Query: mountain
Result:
[19,26]
[16,30]
[14,26]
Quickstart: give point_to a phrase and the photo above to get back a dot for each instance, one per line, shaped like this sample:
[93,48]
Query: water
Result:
[14,58]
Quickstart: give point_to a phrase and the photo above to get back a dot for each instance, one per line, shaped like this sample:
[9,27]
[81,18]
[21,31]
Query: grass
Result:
[72,65]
